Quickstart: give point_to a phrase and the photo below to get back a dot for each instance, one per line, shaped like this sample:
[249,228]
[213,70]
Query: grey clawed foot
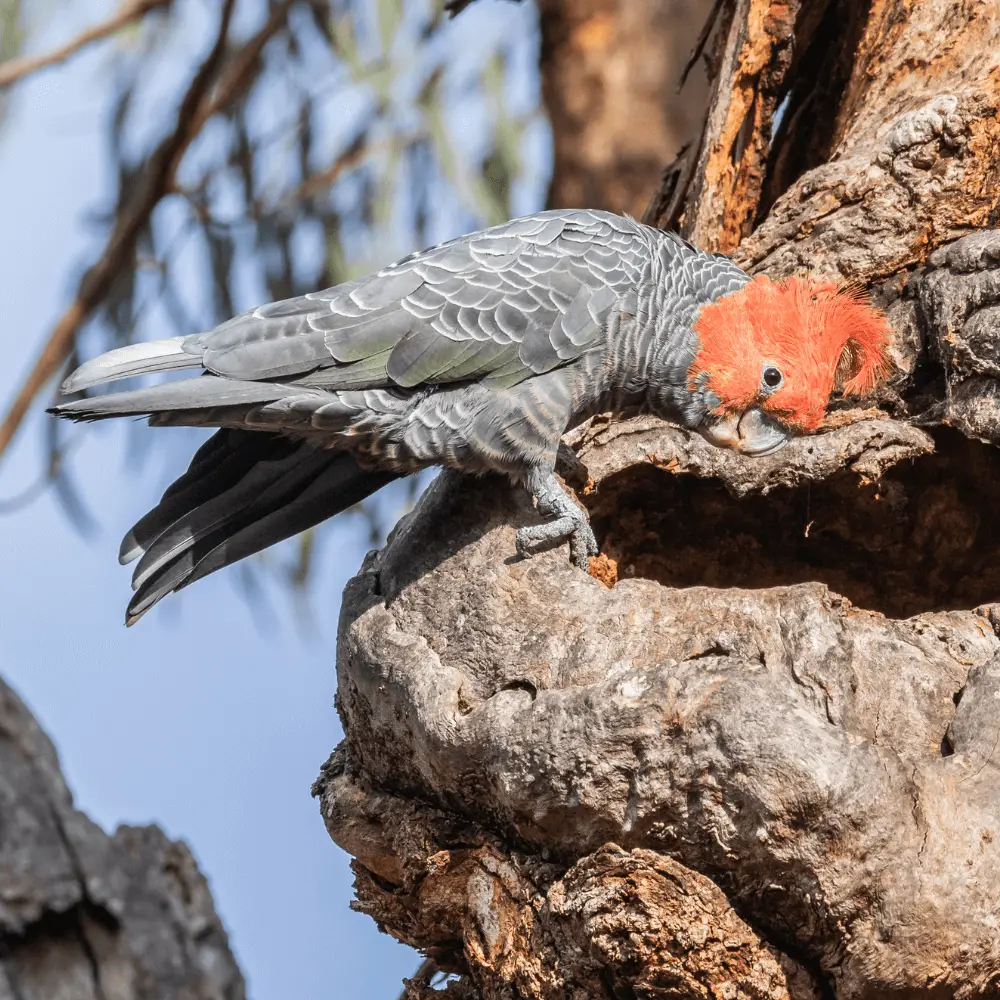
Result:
[568,523]
[582,545]
[538,537]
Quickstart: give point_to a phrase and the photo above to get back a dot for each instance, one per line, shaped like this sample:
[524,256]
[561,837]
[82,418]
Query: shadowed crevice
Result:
[924,537]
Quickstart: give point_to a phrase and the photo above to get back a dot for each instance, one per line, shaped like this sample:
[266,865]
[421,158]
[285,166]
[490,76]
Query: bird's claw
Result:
[567,522]
[539,537]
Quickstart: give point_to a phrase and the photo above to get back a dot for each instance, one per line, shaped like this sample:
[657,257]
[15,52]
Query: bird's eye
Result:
[772,377]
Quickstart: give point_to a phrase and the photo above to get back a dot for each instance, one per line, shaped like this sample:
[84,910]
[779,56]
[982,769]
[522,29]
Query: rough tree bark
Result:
[87,916]
[756,752]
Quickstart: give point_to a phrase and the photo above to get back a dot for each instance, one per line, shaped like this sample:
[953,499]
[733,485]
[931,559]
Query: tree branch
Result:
[200,103]
[702,40]
[779,698]
[350,158]
[15,70]
[124,915]
[237,76]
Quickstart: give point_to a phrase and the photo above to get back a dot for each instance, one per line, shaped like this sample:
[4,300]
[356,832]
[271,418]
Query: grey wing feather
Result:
[515,300]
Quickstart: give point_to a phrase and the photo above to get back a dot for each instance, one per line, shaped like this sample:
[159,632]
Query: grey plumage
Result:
[476,354]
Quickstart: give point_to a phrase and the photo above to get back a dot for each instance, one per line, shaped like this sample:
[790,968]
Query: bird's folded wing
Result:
[501,305]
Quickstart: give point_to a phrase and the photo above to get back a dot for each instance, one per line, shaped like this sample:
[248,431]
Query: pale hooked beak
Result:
[750,433]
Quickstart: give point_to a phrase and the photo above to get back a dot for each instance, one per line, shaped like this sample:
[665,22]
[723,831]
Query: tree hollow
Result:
[920,538]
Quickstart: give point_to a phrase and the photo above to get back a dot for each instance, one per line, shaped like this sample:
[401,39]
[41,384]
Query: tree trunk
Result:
[755,753]
[610,81]
[87,916]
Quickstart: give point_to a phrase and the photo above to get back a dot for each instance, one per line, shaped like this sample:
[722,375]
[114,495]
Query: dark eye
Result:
[772,377]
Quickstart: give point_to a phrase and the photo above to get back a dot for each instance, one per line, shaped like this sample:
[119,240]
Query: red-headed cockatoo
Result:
[477,354]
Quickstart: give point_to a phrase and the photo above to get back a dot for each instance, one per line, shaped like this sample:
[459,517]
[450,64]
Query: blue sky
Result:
[209,717]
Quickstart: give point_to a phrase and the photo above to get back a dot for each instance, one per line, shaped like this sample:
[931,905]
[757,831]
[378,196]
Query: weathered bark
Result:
[87,916]
[889,147]
[611,71]
[756,753]
[802,753]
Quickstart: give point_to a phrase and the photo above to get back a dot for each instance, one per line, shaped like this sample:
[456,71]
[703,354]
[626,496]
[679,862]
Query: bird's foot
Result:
[579,534]
[568,522]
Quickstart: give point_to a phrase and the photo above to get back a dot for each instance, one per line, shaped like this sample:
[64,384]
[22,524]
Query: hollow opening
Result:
[926,537]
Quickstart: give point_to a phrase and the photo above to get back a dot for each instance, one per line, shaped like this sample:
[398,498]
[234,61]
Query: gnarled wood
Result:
[806,755]
[864,180]
[755,753]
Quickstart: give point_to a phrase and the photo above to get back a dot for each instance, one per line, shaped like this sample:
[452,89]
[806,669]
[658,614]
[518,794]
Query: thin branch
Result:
[134,10]
[702,41]
[238,74]
[455,7]
[200,103]
[315,183]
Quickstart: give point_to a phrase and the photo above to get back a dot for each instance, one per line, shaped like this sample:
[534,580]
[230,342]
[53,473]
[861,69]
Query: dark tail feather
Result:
[243,492]
[173,399]
[218,465]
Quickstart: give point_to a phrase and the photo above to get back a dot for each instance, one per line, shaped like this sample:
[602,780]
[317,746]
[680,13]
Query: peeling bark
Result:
[87,916]
[866,181]
[755,59]
[755,752]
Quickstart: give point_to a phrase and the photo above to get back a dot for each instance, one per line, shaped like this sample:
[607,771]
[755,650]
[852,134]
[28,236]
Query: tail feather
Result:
[135,359]
[218,465]
[336,489]
[329,493]
[268,482]
[209,391]
[242,493]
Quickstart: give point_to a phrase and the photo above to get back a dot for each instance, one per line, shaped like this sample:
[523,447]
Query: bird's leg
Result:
[567,521]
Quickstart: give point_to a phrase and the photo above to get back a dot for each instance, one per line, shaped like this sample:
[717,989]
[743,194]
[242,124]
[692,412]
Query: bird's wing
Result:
[501,305]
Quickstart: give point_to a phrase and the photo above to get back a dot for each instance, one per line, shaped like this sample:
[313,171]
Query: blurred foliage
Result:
[11,35]
[11,38]
[366,129]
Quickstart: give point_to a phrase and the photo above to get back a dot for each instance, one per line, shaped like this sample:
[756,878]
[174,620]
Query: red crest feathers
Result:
[818,336]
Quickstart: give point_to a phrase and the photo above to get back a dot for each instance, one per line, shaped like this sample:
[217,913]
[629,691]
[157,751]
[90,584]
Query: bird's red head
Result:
[782,347]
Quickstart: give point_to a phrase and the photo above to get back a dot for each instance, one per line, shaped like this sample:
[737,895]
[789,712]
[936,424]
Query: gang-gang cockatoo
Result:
[477,354]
